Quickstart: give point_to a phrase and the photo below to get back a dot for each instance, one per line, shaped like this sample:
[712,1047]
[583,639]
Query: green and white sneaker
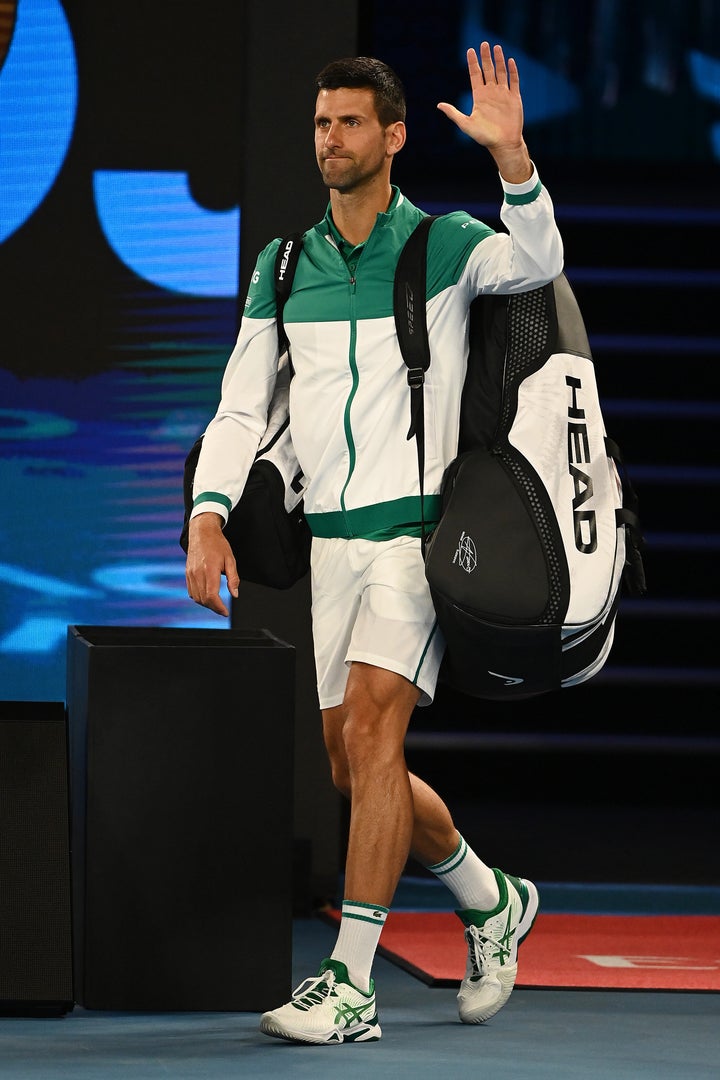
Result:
[493,938]
[326,1009]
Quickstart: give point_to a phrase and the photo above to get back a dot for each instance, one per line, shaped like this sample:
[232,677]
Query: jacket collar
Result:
[329,228]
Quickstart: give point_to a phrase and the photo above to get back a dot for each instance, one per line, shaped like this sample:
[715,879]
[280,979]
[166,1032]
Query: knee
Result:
[371,743]
[361,735]
[355,745]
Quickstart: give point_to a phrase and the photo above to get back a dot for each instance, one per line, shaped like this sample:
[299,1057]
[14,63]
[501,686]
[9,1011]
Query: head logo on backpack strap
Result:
[286,261]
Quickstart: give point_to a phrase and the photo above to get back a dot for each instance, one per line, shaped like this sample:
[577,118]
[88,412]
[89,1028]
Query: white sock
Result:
[472,883]
[360,929]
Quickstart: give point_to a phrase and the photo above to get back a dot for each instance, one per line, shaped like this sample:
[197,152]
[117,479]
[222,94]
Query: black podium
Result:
[181,778]
[35,901]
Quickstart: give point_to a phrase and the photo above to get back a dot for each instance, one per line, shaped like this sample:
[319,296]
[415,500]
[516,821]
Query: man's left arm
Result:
[533,252]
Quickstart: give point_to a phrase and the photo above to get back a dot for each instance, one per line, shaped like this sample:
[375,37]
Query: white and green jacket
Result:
[349,399]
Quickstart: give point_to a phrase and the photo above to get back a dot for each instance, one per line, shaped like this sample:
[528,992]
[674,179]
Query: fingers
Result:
[486,69]
[513,79]
[450,111]
[500,68]
[486,62]
[206,596]
[473,64]
[490,66]
[203,580]
[233,580]
[214,603]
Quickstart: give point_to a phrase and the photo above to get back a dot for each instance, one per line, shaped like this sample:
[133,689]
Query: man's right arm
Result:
[231,440]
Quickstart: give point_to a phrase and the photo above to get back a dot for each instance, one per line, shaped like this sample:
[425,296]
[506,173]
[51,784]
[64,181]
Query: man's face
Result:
[351,146]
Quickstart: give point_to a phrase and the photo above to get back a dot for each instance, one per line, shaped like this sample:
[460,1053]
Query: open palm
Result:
[496,119]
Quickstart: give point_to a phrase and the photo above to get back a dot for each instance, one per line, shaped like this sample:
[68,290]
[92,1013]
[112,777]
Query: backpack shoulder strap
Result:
[409,292]
[286,260]
[410,316]
[409,300]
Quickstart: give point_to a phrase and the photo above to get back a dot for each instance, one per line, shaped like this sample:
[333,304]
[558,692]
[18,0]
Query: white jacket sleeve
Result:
[530,254]
[232,437]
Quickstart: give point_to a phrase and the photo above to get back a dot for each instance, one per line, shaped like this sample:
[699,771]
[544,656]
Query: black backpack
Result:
[537,530]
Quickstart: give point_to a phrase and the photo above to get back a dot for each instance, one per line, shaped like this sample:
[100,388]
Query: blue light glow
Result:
[158,230]
[38,103]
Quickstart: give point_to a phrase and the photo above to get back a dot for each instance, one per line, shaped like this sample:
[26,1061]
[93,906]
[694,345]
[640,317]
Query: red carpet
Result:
[610,952]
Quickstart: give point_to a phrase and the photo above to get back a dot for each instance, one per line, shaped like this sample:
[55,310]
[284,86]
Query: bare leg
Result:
[434,833]
[392,812]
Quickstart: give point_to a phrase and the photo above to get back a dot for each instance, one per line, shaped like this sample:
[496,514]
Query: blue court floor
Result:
[539,1035]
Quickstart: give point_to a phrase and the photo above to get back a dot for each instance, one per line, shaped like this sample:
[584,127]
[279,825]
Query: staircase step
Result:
[683,571]
[647,366]
[658,307]
[641,705]
[657,638]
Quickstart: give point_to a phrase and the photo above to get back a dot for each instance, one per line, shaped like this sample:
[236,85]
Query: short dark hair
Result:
[365,72]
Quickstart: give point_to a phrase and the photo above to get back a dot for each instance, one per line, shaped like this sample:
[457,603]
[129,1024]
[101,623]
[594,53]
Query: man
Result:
[377,648]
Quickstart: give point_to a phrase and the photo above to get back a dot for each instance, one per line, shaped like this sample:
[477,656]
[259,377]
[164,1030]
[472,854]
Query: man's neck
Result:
[355,212]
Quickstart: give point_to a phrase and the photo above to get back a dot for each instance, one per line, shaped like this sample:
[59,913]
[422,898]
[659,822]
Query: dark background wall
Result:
[149,151]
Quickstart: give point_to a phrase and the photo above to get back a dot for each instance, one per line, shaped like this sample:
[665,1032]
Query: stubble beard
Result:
[341,179]
[349,177]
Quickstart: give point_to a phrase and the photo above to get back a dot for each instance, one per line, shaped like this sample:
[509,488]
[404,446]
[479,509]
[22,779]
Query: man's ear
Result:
[395,135]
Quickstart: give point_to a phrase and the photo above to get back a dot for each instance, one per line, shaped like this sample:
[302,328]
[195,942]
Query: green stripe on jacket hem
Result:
[382,521]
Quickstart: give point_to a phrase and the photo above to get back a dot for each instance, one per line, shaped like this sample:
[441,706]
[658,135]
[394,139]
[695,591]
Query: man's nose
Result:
[332,135]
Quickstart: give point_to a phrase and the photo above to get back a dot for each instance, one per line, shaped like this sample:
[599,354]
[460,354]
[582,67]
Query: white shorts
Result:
[371,602]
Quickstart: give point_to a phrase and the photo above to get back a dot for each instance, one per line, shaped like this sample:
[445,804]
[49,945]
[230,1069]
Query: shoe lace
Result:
[484,948]
[313,991]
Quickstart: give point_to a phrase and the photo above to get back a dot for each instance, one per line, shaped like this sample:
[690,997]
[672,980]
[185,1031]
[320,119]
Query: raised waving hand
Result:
[496,119]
